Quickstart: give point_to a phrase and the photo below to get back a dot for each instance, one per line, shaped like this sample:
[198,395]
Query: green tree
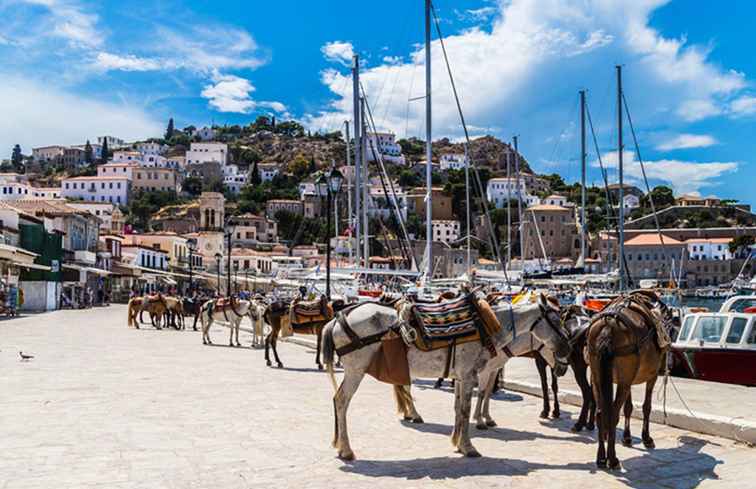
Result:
[254,177]
[740,244]
[144,204]
[663,197]
[169,130]
[408,178]
[193,186]
[88,155]
[17,159]
[105,153]
[299,167]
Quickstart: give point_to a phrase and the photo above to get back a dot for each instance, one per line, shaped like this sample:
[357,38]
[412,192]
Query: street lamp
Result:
[229,229]
[328,185]
[191,245]
[218,258]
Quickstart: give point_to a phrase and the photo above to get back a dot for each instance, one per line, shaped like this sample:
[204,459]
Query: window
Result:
[709,329]
[737,327]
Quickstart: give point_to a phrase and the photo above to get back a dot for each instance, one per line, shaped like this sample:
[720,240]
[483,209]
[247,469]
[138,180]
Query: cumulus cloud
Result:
[683,176]
[44,114]
[230,93]
[64,19]
[743,106]
[338,51]
[687,141]
[110,61]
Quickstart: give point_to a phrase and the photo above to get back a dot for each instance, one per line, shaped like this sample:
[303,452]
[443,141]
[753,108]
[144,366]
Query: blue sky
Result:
[76,69]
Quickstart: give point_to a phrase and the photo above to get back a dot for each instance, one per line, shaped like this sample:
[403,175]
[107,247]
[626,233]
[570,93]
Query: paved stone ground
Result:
[104,406]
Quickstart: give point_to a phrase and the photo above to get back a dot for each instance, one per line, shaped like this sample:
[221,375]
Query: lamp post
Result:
[328,186]
[229,225]
[218,258]
[191,245]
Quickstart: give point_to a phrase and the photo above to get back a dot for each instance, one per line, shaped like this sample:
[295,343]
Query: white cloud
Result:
[44,114]
[743,106]
[109,61]
[69,20]
[683,176]
[338,51]
[230,93]
[687,141]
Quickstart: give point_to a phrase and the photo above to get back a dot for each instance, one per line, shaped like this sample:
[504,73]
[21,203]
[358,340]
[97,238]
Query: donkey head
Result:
[549,332]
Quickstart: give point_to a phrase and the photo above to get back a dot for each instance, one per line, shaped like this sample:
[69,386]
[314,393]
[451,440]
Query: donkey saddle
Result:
[305,315]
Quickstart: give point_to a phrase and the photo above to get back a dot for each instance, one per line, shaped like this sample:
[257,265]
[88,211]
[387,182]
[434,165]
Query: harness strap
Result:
[507,351]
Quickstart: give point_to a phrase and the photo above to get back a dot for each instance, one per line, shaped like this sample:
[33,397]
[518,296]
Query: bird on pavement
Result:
[25,357]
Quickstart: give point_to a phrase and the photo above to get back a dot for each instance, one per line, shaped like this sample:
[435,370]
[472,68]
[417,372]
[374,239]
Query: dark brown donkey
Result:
[278,312]
[624,348]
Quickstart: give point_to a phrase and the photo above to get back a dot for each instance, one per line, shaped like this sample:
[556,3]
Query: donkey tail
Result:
[403,399]
[605,353]
[328,352]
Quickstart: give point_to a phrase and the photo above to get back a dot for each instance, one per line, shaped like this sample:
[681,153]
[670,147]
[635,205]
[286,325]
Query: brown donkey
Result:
[626,345]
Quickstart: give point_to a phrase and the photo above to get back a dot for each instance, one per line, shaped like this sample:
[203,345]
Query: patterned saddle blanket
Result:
[462,320]
[305,313]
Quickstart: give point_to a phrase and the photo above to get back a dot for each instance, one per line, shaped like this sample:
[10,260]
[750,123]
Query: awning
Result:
[16,254]
[98,271]
[33,266]
[167,280]
[71,266]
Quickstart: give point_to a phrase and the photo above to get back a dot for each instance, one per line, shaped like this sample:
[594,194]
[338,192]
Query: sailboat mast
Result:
[621,199]
[428,145]
[357,155]
[467,210]
[509,210]
[519,203]
[582,176]
[350,182]
[365,186]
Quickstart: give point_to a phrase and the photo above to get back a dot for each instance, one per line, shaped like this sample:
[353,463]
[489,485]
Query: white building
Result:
[445,231]
[555,199]
[452,162]
[175,162]
[631,201]
[96,149]
[268,171]
[145,257]
[233,180]
[45,193]
[381,205]
[47,154]
[154,149]
[204,134]
[709,249]
[154,161]
[104,211]
[14,190]
[385,144]
[126,156]
[501,189]
[206,152]
[115,190]
[115,169]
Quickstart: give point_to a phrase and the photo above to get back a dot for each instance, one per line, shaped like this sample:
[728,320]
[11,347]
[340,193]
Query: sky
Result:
[77,69]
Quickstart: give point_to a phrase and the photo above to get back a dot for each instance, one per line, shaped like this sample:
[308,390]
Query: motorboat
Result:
[719,346]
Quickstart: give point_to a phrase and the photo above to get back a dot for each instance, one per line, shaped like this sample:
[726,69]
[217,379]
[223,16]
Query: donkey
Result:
[623,348]
[154,305]
[256,313]
[357,335]
[231,312]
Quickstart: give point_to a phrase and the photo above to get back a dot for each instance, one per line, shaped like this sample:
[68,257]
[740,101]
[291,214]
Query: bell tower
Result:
[211,211]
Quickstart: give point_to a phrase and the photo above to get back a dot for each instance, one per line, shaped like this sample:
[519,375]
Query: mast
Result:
[350,177]
[365,185]
[621,224]
[428,145]
[467,209]
[519,204]
[357,153]
[509,210]
[582,177]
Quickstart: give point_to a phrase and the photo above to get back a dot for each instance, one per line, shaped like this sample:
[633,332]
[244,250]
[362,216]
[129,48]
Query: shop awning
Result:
[16,255]
[33,266]
[167,280]
[98,271]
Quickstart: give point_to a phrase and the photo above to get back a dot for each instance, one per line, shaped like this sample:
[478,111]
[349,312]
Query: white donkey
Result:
[230,311]
[256,313]
[357,337]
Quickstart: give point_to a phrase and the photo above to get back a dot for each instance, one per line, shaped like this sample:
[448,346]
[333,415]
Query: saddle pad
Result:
[390,363]
[310,313]
[447,320]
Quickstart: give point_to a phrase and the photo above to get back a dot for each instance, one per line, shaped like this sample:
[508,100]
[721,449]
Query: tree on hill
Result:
[290,128]
[663,197]
[169,130]
[739,245]
[192,186]
[299,167]
[88,154]
[254,177]
[105,153]
[17,159]
[144,204]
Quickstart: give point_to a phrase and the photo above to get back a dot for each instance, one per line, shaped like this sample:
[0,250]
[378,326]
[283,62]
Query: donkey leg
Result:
[627,437]
[623,391]
[341,400]
[319,333]
[465,446]
[555,389]
[585,390]
[267,346]
[541,365]
[648,442]
[482,415]
[603,422]
[410,412]
[274,341]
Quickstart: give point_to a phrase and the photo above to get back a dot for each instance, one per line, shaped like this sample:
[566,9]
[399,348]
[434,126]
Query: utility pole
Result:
[365,186]
[350,177]
[620,147]
[519,204]
[357,153]
[582,176]
[428,145]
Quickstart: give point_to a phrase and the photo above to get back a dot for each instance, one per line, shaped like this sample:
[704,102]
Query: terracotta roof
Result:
[547,207]
[651,239]
[47,207]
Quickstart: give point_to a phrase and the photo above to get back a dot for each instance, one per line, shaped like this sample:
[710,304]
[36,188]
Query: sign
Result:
[55,266]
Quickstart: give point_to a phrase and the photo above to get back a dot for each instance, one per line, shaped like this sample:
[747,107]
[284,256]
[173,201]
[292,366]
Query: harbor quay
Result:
[101,405]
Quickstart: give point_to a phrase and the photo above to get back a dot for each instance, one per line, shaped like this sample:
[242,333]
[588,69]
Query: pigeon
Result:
[25,357]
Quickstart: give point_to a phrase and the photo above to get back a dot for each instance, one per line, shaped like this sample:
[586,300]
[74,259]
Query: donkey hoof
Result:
[320,367]
[577,428]
[590,427]
[481,426]
[280,365]
[627,441]
[614,463]
[346,455]
[649,443]
[544,414]
[471,453]
[556,414]
[268,363]
[601,463]
[418,420]
[491,423]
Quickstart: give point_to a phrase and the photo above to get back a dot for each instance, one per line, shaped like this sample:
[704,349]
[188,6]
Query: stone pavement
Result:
[104,406]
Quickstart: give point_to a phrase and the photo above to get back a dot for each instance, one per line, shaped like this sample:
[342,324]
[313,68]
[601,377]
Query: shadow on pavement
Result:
[683,467]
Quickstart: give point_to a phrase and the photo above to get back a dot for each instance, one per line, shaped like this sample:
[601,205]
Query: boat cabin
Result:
[718,330]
